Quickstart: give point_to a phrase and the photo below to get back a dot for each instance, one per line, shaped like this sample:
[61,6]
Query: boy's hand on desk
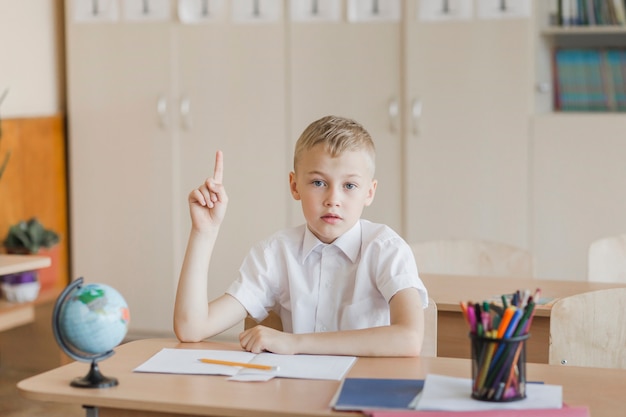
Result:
[265,339]
[208,202]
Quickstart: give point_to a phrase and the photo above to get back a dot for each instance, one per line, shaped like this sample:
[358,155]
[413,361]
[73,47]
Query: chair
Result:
[472,257]
[589,329]
[607,259]
[429,347]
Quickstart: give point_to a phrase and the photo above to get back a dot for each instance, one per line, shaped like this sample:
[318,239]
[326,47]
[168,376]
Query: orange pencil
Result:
[242,364]
[506,319]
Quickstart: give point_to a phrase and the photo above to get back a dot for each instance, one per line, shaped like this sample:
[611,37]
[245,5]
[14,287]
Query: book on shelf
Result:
[590,79]
[591,12]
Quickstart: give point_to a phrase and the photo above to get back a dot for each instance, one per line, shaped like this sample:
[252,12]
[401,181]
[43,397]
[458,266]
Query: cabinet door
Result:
[120,164]
[578,174]
[352,69]
[467,126]
[233,77]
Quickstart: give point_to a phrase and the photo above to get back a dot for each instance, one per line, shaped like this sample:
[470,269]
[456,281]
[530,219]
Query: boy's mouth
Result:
[331,218]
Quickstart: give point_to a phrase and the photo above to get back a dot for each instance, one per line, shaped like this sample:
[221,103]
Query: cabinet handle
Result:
[185,113]
[393,111]
[162,111]
[416,115]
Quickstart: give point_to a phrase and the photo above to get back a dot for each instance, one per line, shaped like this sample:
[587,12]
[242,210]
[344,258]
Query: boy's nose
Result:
[332,198]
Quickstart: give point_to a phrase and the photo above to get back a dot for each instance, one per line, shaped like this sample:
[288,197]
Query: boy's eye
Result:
[350,186]
[318,183]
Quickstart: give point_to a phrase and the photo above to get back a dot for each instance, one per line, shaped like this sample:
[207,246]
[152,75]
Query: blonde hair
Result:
[338,134]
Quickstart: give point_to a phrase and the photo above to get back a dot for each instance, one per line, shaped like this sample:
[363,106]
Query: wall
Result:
[33,122]
[31,62]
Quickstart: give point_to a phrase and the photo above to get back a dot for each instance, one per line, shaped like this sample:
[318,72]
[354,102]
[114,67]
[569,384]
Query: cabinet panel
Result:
[467,127]
[121,164]
[150,103]
[578,177]
[233,76]
[352,70]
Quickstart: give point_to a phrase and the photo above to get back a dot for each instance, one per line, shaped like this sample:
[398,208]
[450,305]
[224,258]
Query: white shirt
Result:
[318,287]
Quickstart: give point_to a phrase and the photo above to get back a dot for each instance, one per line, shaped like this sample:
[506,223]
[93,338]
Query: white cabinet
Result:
[149,105]
[579,196]
[467,113]
[232,80]
[120,164]
[577,158]
[352,69]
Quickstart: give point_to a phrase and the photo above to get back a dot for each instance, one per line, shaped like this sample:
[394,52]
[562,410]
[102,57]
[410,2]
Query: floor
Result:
[12,404]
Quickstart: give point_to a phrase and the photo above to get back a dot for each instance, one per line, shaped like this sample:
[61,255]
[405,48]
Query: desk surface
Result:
[449,290]
[600,389]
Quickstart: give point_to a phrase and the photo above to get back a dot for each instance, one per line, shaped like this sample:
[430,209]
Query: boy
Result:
[341,285]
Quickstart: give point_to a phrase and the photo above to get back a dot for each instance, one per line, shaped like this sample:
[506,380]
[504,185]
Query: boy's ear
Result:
[371,193]
[293,186]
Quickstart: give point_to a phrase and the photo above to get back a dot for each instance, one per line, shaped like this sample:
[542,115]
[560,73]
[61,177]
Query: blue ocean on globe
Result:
[94,319]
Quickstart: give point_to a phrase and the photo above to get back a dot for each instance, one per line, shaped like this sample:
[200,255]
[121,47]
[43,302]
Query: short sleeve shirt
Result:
[318,287]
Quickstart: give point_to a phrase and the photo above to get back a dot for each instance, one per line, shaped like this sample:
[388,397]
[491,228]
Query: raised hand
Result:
[208,202]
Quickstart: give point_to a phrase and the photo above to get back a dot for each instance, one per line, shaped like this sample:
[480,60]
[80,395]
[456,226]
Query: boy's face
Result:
[333,191]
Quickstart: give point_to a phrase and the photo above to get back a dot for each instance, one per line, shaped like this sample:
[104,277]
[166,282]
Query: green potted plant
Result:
[27,237]
[24,238]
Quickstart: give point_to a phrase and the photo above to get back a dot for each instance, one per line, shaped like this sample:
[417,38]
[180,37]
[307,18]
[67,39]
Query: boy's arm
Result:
[194,317]
[403,337]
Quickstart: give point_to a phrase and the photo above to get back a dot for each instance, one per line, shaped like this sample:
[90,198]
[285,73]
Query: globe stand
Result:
[94,379]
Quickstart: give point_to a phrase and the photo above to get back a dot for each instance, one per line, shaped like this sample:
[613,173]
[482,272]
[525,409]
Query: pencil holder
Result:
[498,368]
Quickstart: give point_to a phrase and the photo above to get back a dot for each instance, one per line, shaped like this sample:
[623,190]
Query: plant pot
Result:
[47,277]
[20,287]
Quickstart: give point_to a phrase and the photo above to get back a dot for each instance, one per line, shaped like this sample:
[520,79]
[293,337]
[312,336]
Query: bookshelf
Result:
[575,166]
[580,66]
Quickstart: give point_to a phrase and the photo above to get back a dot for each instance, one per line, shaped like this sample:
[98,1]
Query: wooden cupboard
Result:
[451,106]
[466,128]
[353,69]
[576,158]
[150,103]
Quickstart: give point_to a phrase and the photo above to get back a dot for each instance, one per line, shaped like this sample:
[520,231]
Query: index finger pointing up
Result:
[218,174]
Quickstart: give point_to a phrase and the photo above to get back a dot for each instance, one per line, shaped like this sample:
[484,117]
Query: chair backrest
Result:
[472,257]
[607,259]
[429,347]
[589,329]
[272,320]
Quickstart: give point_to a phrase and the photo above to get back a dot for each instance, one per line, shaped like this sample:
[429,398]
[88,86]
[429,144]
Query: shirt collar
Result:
[349,242]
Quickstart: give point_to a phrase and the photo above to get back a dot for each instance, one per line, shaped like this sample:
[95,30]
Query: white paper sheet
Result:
[445,393]
[187,361]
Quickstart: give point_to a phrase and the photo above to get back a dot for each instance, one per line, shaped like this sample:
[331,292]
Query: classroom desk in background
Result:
[452,330]
[167,395]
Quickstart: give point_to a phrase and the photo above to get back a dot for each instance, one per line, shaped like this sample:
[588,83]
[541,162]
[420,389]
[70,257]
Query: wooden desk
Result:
[166,395]
[452,330]
[18,314]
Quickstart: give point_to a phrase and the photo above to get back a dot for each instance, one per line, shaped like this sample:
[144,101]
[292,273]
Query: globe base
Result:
[94,379]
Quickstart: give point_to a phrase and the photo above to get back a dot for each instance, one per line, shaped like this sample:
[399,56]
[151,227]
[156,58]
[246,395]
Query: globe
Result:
[88,322]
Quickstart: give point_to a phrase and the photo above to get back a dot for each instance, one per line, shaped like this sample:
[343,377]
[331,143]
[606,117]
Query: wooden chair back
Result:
[272,321]
[429,348]
[589,329]
[607,259]
[472,257]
